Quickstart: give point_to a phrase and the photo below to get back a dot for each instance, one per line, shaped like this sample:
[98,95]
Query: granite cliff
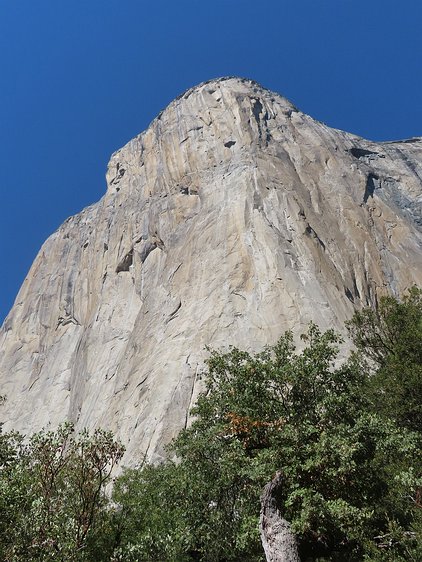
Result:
[232,218]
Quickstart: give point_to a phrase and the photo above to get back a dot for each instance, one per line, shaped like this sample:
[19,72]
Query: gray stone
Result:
[231,219]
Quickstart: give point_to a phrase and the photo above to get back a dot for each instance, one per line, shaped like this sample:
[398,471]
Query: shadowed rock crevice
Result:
[372,183]
[309,231]
[125,262]
[149,246]
[120,172]
[363,153]
[257,109]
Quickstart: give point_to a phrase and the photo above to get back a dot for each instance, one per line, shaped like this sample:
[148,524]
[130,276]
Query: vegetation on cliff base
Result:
[53,505]
[390,342]
[351,476]
[345,437]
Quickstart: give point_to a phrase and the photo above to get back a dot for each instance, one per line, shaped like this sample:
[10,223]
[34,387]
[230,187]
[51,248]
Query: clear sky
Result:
[79,78]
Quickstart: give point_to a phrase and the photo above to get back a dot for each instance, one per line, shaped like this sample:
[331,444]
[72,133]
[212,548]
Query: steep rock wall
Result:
[231,219]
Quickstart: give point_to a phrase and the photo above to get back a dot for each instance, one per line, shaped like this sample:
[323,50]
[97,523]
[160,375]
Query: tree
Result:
[55,493]
[152,517]
[277,537]
[13,497]
[347,472]
[390,339]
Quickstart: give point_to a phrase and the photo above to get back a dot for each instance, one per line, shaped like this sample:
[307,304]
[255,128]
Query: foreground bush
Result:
[53,504]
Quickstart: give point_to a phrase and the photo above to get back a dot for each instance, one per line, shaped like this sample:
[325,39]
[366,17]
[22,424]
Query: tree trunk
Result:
[277,538]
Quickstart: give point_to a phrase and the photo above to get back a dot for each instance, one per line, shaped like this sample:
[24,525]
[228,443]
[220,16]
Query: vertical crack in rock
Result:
[311,232]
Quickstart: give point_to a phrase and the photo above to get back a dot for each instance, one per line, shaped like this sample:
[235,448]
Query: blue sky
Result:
[80,78]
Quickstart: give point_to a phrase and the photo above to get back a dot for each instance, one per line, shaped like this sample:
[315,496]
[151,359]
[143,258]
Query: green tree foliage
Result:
[152,519]
[390,339]
[52,495]
[13,498]
[350,474]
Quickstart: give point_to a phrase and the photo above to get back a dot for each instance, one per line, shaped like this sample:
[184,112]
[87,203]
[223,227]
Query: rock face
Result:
[231,219]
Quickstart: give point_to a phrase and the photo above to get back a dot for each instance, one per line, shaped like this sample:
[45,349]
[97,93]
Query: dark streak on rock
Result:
[311,232]
[120,172]
[372,183]
[349,295]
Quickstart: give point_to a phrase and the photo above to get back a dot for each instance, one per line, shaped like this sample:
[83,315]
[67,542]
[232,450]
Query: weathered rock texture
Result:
[231,219]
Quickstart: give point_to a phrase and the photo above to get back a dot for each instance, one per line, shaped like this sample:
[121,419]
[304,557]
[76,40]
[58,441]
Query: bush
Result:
[52,495]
